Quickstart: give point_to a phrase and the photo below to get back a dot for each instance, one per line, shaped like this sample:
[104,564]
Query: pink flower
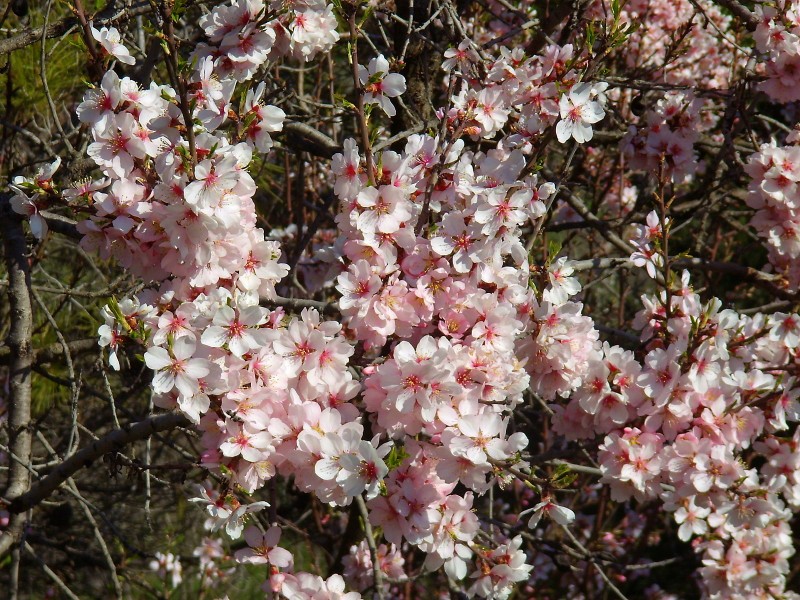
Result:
[357,285]
[380,85]
[579,111]
[212,181]
[111,44]
[477,438]
[22,204]
[246,441]
[263,119]
[167,565]
[118,146]
[99,104]
[461,57]
[264,548]
[461,240]
[387,208]
[499,569]
[691,517]
[363,470]
[560,514]
[346,167]
[239,330]
[176,370]
[500,210]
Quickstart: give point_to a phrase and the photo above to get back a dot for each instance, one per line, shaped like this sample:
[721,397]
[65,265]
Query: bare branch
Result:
[21,364]
[51,352]
[377,573]
[300,136]
[73,489]
[61,224]
[107,16]
[740,11]
[113,441]
[301,303]
[768,281]
[51,574]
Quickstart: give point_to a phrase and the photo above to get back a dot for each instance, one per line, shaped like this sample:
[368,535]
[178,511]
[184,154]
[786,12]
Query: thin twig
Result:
[377,573]
[73,384]
[90,517]
[111,442]
[51,574]
[361,117]
[45,87]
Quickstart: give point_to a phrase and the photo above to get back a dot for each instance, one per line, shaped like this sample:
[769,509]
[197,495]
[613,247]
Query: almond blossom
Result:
[380,84]
[176,368]
[263,548]
[579,110]
[429,358]
[111,44]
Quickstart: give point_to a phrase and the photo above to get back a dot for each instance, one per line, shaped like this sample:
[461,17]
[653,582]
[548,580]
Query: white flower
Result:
[562,286]
[110,335]
[460,57]
[112,45]
[168,564]
[363,470]
[23,205]
[380,85]
[177,370]
[226,511]
[560,514]
[579,110]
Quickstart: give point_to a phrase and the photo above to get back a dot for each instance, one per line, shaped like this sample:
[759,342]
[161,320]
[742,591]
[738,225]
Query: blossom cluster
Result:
[773,193]
[653,25]
[777,36]
[242,37]
[683,424]
[405,405]
[175,207]
[666,135]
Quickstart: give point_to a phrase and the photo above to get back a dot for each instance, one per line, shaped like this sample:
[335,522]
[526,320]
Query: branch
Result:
[85,506]
[377,573]
[579,207]
[330,308]
[51,574]
[107,444]
[601,263]
[21,364]
[51,352]
[741,11]
[768,281]
[590,557]
[577,468]
[61,224]
[300,136]
[361,118]
[107,16]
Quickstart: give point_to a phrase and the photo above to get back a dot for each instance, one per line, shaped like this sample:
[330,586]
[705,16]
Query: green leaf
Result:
[367,15]
[563,476]
[553,248]
[340,100]
[113,305]
[178,10]
[376,78]
[396,456]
